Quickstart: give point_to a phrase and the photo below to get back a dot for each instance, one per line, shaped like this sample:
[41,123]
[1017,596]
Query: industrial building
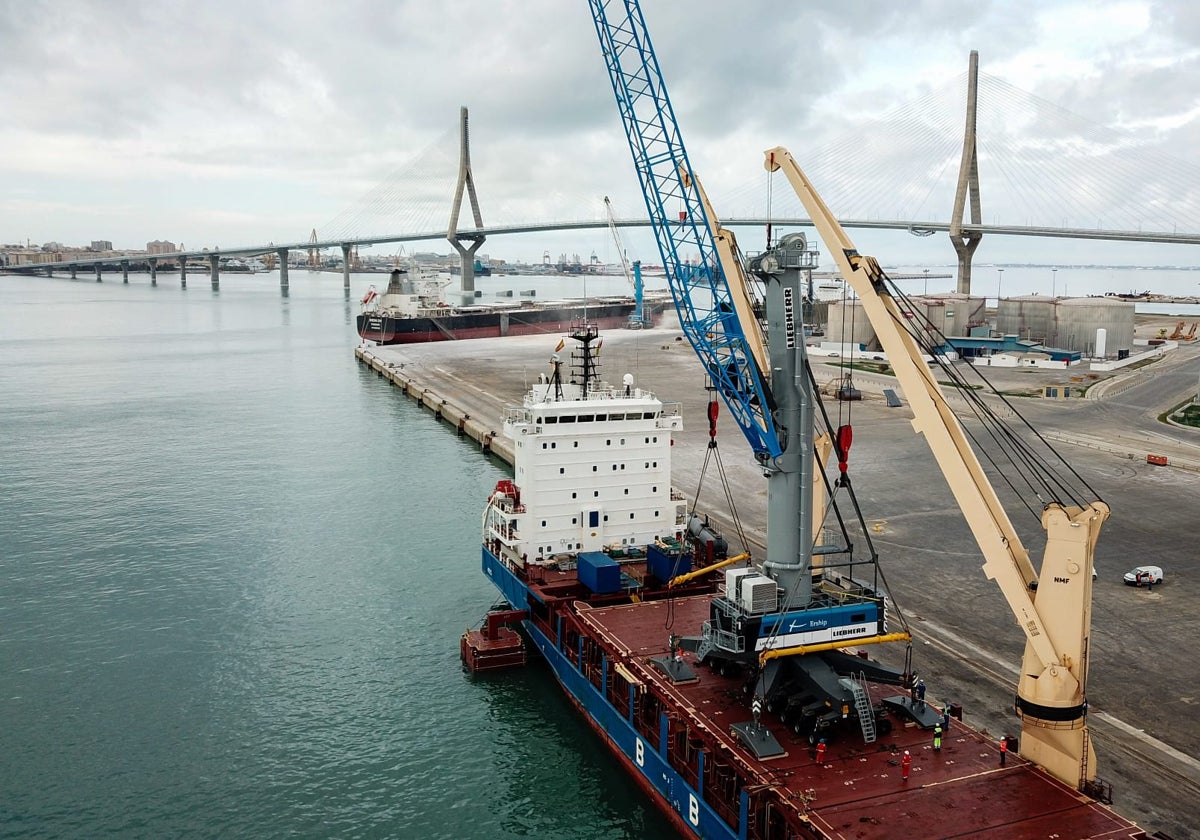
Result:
[1092,327]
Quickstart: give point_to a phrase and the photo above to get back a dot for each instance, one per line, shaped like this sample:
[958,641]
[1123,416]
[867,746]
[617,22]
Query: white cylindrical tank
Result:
[1101,339]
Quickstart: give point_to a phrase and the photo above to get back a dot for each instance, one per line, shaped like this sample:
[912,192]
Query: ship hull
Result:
[598,651]
[643,761]
[458,326]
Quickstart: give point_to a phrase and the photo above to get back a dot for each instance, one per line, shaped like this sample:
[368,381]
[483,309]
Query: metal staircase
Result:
[862,704]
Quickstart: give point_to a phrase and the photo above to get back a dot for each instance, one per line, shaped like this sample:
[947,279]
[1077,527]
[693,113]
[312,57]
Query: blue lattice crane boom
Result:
[713,307]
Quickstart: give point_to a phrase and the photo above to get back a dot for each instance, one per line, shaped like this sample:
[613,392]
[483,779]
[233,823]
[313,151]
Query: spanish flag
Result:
[599,344]
[562,342]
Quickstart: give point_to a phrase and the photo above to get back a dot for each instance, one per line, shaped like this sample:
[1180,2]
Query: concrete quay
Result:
[1143,668]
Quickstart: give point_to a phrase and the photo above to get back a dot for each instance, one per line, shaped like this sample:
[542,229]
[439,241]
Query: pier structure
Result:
[282,253]
[476,238]
[966,241]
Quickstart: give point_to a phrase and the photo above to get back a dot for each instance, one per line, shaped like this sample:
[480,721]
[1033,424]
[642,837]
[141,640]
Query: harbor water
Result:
[234,568]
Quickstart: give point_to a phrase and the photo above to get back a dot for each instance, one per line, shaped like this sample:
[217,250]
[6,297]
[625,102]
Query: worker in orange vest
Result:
[821,751]
[1003,750]
[905,765]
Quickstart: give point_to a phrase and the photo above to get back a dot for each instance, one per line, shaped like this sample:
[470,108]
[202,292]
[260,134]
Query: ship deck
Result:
[858,791]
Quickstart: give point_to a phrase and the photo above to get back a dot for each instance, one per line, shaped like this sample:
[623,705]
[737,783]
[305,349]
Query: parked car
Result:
[1144,574]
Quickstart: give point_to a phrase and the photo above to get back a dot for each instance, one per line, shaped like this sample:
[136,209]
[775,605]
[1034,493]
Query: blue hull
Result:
[670,791]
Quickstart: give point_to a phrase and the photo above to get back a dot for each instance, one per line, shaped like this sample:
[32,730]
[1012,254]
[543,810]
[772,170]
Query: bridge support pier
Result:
[465,181]
[125,271]
[965,243]
[153,272]
[213,273]
[346,266]
[97,272]
[183,272]
[282,253]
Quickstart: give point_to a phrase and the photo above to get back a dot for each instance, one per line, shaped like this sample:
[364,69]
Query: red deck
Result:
[858,791]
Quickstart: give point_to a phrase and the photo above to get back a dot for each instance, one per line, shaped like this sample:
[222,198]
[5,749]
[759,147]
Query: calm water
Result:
[234,568]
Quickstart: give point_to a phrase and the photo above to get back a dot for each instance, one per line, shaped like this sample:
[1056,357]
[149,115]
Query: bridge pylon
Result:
[466,253]
[968,183]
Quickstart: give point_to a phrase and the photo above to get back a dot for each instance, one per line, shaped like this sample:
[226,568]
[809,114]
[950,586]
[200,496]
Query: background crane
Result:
[638,319]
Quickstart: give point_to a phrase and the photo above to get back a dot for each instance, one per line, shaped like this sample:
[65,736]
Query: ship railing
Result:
[722,639]
[513,415]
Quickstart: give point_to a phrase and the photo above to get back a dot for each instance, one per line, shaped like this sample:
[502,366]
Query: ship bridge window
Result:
[567,418]
[616,417]
[587,418]
[551,419]
[649,415]
[600,418]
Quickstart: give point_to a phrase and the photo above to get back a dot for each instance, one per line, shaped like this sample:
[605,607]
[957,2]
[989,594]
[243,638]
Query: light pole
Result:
[926,282]
[1053,279]
[999,286]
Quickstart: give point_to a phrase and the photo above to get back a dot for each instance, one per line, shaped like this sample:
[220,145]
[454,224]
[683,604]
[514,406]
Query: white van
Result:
[1144,574]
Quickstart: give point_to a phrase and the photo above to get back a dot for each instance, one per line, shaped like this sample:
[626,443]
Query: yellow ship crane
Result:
[1055,615]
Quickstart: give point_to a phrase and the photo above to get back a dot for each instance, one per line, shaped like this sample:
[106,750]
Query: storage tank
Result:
[952,313]
[1080,318]
[848,323]
[1030,317]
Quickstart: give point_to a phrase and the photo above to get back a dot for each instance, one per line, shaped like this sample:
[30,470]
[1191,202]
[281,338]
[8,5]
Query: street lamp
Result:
[999,285]
[927,282]
[1053,278]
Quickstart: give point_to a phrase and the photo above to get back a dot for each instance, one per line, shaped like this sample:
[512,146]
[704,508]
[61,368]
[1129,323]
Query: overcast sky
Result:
[225,123]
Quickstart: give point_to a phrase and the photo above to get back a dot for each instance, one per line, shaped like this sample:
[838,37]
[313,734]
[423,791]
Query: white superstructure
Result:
[592,467]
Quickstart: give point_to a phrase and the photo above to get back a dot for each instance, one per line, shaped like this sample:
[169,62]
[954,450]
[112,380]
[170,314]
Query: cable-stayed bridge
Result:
[975,149]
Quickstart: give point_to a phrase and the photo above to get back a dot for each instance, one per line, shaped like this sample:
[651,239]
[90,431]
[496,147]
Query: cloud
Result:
[256,120]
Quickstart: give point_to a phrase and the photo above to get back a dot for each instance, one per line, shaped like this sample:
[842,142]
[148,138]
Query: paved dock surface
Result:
[1144,670]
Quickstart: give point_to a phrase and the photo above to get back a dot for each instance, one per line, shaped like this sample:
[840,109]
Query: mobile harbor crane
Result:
[1054,605]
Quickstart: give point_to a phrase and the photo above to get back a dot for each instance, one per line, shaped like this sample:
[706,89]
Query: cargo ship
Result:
[656,637]
[413,309]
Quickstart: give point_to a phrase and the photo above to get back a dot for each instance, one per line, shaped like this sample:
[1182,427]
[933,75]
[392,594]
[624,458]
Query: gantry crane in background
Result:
[633,275]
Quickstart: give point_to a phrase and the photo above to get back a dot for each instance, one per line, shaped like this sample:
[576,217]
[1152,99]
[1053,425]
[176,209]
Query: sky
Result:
[223,123]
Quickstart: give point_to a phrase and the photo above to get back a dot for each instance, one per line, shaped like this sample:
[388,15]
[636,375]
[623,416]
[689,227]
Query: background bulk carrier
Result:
[413,309]
[740,693]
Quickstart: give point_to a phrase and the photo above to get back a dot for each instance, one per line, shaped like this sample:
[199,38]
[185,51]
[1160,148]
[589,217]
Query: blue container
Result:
[599,572]
[665,565]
